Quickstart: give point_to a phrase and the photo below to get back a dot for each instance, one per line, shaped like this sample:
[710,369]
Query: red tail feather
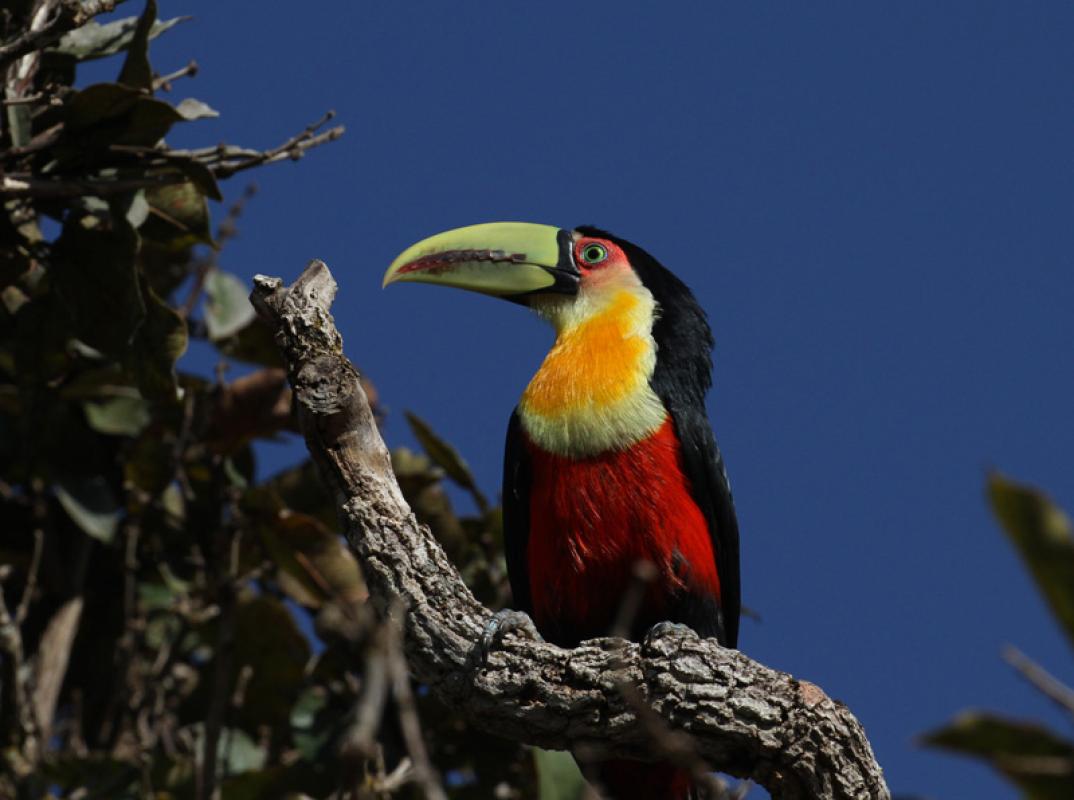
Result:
[634,780]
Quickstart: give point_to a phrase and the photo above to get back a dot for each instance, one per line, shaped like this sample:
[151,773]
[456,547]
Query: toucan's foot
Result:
[661,629]
[503,622]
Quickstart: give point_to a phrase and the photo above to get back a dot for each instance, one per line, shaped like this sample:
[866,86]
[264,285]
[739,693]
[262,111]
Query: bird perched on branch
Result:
[610,460]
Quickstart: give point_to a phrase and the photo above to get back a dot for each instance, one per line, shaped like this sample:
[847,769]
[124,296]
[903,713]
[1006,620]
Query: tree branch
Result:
[746,719]
[70,14]
[163,166]
[18,729]
[1050,686]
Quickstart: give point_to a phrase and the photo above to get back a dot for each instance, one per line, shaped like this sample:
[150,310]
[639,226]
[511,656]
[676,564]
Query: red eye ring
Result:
[593,253]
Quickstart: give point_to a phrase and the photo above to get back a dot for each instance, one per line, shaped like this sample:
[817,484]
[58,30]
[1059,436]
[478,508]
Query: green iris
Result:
[594,253]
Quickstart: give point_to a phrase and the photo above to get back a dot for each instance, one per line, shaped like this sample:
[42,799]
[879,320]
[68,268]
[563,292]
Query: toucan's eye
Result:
[594,253]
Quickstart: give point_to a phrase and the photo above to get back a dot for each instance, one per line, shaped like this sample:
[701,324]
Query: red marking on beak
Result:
[438,262]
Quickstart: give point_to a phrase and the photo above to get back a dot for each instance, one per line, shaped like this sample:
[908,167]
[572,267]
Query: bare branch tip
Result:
[267,284]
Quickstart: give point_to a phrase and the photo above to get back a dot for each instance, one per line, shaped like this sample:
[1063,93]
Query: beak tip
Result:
[391,276]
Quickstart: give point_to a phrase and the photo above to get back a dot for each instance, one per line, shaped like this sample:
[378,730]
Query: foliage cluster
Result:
[171,624]
[1034,758]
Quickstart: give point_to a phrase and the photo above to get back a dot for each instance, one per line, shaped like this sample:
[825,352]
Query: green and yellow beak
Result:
[502,259]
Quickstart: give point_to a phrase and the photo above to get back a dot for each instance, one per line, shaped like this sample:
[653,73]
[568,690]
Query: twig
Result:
[223,160]
[31,577]
[41,141]
[398,777]
[294,148]
[358,745]
[69,15]
[18,731]
[165,81]
[220,693]
[1050,686]
[424,772]
[226,230]
[24,185]
[644,573]
[32,99]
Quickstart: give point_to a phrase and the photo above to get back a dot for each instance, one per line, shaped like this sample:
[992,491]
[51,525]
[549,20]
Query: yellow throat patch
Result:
[592,392]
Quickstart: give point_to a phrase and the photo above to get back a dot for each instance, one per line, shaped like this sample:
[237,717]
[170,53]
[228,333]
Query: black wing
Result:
[516,513]
[704,468]
[681,379]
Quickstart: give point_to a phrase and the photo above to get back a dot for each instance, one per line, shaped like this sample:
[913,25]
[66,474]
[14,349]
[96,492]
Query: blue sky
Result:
[872,201]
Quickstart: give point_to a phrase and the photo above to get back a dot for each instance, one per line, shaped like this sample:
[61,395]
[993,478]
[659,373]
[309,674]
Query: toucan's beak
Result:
[503,259]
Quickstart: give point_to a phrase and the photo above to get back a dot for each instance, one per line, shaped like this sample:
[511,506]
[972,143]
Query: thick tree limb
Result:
[747,720]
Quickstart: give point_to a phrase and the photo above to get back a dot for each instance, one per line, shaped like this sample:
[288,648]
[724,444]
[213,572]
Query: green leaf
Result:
[314,723]
[180,215]
[240,752]
[258,784]
[201,176]
[120,416]
[269,641]
[136,71]
[319,567]
[154,596]
[174,583]
[236,752]
[21,125]
[42,331]
[234,477]
[139,209]
[1038,761]
[107,114]
[91,774]
[421,486]
[150,463]
[253,343]
[414,471]
[90,504]
[96,281]
[149,120]
[100,383]
[227,306]
[94,40]
[558,776]
[309,704]
[172,501]
[1042,534]
[298,489]
[446,456]
[192,109]
[161,340]
[98,103]
[13,263]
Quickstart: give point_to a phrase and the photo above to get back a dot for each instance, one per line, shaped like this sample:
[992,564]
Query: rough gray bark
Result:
[746,719]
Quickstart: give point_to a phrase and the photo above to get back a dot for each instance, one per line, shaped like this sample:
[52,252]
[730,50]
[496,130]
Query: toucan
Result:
[610,460]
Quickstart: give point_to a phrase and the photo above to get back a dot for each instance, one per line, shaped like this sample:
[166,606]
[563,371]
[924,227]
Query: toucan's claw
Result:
[665,629]
[503,622]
